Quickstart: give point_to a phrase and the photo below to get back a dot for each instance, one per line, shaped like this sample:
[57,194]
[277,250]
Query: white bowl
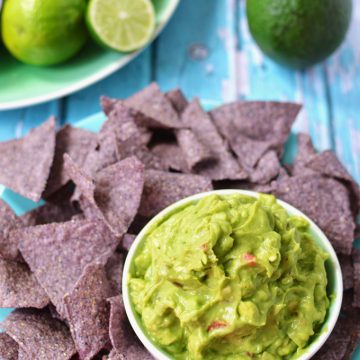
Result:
[332,267]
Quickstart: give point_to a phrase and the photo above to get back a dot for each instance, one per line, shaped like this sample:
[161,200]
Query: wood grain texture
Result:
[343,79]
[196,51]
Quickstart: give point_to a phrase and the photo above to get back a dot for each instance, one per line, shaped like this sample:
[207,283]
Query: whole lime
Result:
[43,32]
[298,33]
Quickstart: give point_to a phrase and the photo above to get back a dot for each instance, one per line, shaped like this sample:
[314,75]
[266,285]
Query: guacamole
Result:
[230,277]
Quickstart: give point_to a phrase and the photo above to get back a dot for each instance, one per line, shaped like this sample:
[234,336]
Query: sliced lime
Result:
[123,25]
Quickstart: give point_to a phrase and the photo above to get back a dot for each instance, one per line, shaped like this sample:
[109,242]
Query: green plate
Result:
[25,85]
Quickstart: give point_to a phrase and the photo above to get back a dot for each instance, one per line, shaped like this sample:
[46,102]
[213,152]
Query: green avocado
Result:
[230,277]
[298,33]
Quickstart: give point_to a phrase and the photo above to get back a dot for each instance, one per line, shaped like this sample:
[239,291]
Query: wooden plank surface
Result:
[196,51]
[343,78]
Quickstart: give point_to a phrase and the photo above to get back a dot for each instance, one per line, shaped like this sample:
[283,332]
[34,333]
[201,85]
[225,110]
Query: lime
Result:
[43,32]
[123,25]
[298,33]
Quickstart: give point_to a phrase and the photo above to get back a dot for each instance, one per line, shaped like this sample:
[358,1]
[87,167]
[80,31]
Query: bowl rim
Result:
[334,307]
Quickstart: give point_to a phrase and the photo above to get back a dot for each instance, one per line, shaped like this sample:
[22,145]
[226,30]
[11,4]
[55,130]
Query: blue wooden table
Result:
[207,51]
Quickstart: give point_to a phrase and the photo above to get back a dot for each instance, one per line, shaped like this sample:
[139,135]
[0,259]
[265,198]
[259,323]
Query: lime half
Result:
[123,25]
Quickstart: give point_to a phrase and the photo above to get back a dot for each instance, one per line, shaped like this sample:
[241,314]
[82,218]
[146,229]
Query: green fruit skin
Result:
[298,33]
[44,32]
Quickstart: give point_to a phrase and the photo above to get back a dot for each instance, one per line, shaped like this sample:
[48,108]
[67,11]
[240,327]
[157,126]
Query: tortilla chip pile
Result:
[61,264]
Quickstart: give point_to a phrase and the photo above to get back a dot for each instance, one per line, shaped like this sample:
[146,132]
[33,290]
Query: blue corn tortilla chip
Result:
[50,213]
[119,138]
[346,334]
[153,104]
[119,327]
[114,124]
[247,150]
[39,335]
[107,104]
[134,352]
[308,161]
[164,188]
[8,221]
[177,99]
[171,156]
[114,271]
[118,192]
[88,311]
[58,253]
[254,127]
[305,152]
[356,263]
[259,120]
[114,195]
[9,348]
[25,163]
[328,164]
[75,142]
[124,341]
[266,169]
[324,200]
[127,241]
[225,166]
[152,108]
[196,154]
[19,287]
[131,139]
[347,270]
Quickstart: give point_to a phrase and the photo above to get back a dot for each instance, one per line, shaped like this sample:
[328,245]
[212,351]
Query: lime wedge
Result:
[123,25]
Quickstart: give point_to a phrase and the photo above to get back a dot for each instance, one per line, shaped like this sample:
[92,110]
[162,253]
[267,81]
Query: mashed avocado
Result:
[230,277]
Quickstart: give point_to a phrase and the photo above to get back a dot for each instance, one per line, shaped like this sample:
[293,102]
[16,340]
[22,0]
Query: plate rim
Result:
[94,78]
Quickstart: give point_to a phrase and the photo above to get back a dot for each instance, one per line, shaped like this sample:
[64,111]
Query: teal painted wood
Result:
[343,76]
[196,52]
